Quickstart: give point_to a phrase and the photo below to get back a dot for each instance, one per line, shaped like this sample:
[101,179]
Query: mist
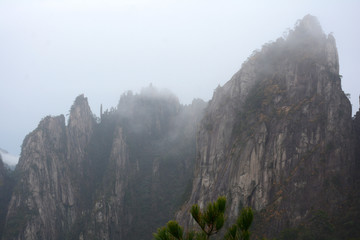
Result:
[52,51]
[8,158]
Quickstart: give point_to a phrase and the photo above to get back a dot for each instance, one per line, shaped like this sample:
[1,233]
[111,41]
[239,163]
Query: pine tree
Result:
[240,230]
[210,221]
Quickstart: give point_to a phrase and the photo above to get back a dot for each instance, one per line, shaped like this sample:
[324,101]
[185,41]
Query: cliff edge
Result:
[278,136]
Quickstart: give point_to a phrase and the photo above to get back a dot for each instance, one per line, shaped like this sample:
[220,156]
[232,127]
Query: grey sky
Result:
[52,51]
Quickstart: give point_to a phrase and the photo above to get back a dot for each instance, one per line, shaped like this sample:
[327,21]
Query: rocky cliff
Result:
[279,135]
[43,203]
[119,178]
[150,165]
[6,187]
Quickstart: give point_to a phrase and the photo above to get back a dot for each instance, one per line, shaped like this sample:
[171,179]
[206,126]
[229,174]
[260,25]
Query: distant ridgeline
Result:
[279,137]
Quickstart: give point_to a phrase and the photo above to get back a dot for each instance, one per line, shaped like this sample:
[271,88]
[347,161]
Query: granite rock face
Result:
[279,135]
[79,132]
[6,188]
[44,203]
[103,179]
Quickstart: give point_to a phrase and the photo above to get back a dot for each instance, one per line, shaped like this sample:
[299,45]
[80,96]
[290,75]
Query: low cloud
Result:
[8,158]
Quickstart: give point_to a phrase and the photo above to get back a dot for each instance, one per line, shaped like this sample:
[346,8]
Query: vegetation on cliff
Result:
[278,137]
[210,221]
[102,179]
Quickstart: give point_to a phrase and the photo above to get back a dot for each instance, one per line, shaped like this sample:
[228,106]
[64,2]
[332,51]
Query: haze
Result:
[52,51]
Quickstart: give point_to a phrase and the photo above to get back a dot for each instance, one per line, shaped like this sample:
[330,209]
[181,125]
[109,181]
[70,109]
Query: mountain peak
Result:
[265,130]
[80,99]
[80,102]
[310,25]
[80,111]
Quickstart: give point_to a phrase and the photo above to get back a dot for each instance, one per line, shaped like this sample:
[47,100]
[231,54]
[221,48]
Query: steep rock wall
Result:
[278,135]
[42,205]
[120,178]
[45,202]
[6,188]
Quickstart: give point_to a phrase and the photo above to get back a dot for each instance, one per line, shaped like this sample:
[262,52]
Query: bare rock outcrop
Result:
[278,136]
[46,200]
[44,195]
[6,188]
[107,179]
[79,130]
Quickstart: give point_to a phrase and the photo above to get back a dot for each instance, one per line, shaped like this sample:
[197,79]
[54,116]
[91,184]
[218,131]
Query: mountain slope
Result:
[89,180]
[278,136]
[6,188]
[42,205]
[9,159]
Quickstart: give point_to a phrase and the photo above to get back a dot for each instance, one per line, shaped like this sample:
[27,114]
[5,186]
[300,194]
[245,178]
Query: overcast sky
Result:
[52,51]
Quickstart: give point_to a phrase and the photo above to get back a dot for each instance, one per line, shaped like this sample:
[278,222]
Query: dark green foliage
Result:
[210,221]
[175,229]
[163,234]
[232,233]
[241,230]
[244,222]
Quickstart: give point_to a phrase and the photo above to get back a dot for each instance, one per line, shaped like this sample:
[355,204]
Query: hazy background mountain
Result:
[119,176]
[7,182]
[9,159]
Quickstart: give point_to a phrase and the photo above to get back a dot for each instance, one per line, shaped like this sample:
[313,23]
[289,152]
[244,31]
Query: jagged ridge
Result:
[88,180]
[278,136]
